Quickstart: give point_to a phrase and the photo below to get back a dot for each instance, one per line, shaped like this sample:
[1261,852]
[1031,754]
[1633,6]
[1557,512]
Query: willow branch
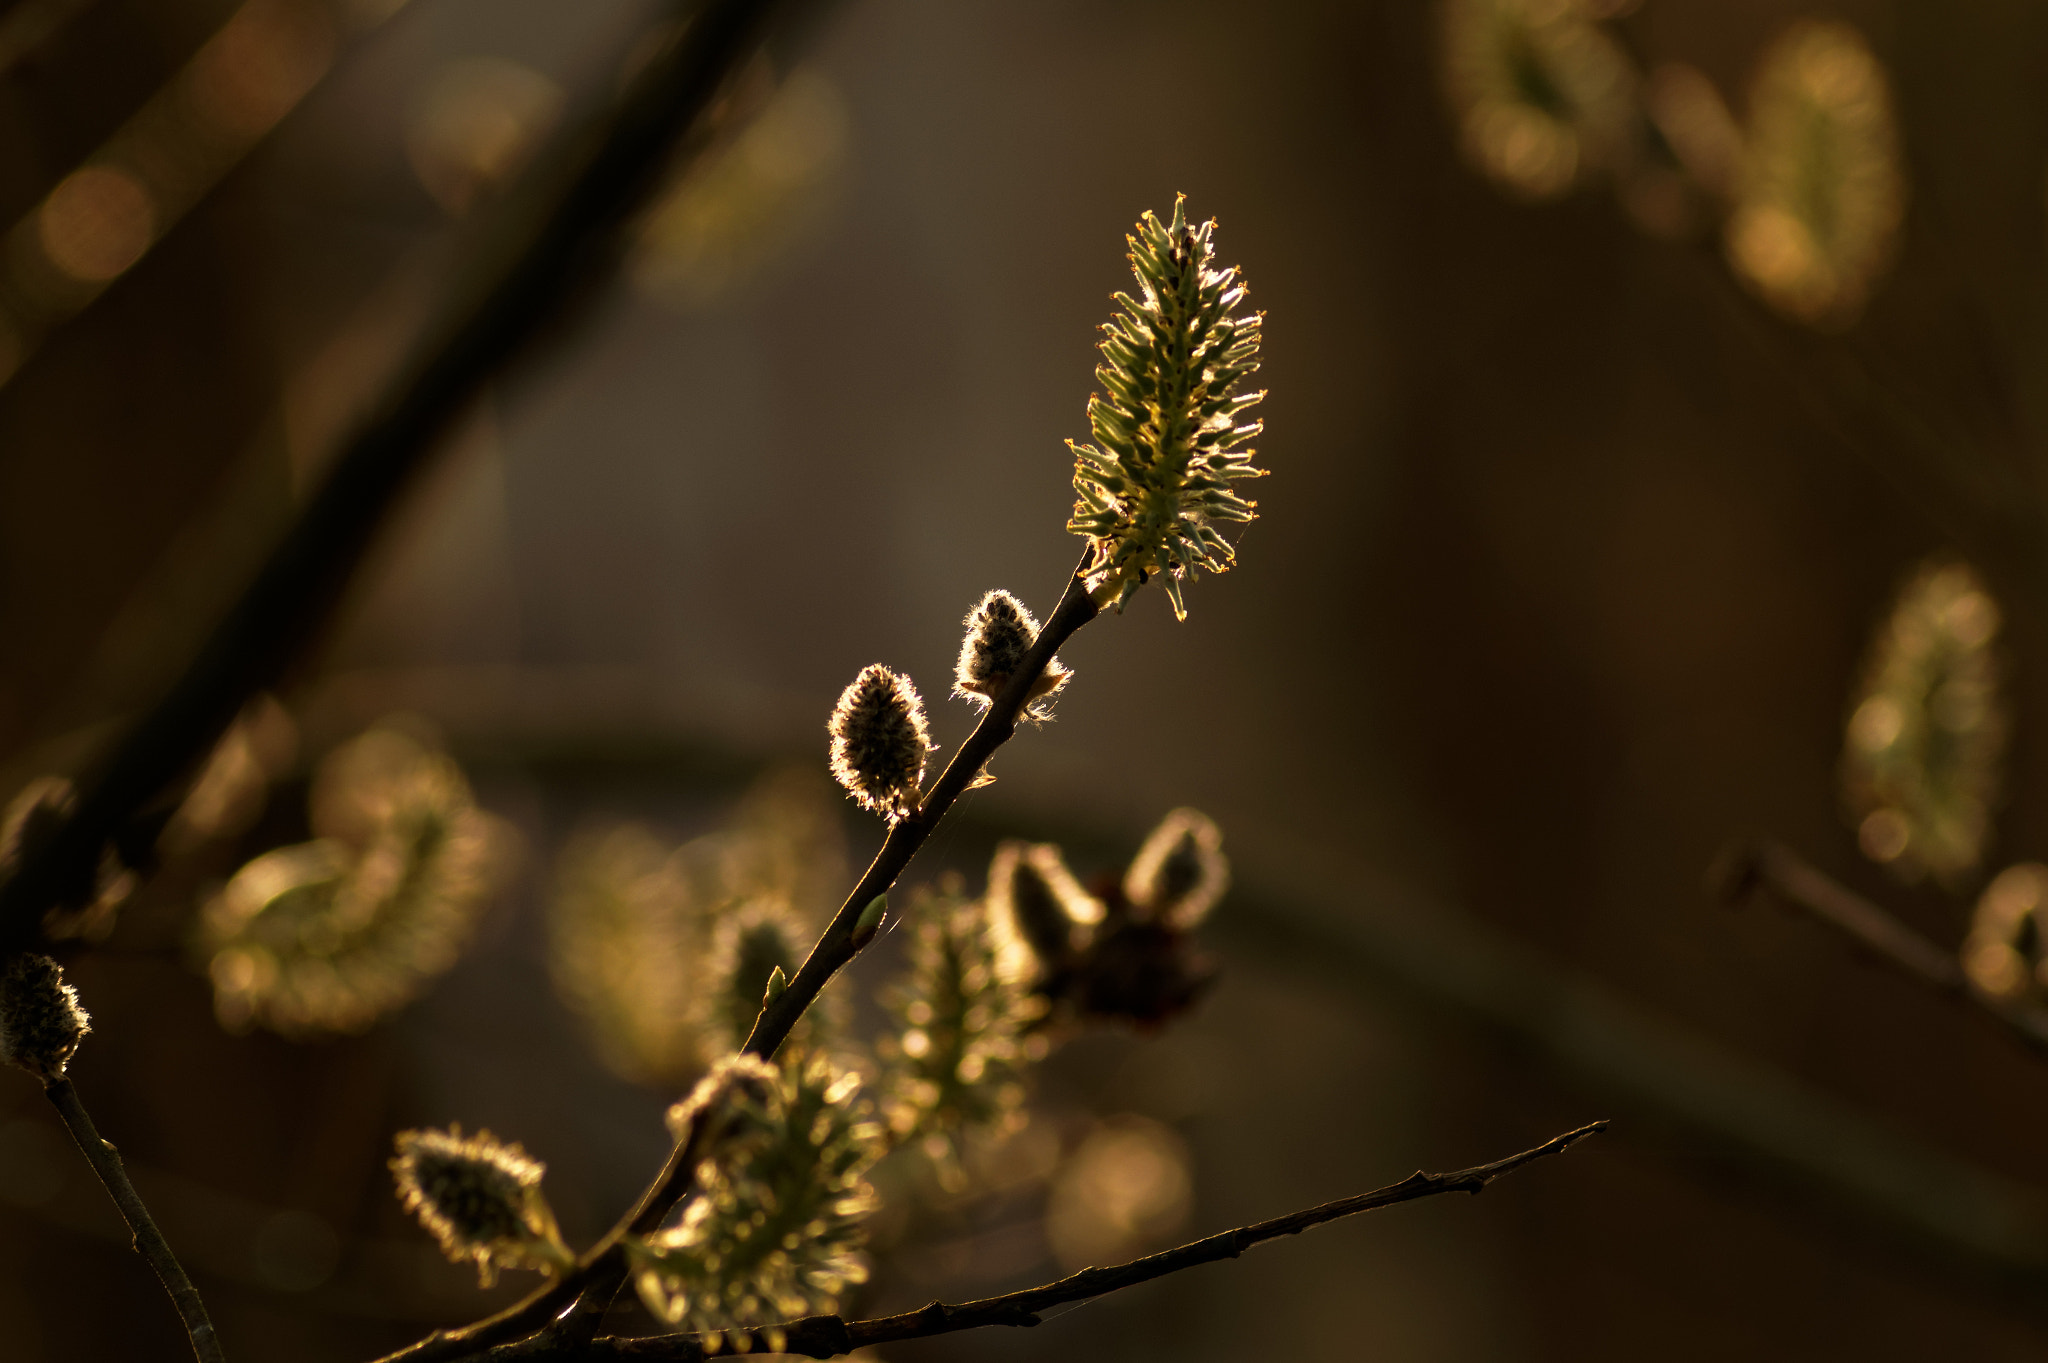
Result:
[1771,868]
[569,1309]
[836,946]
[149,1241]
[830,1336]
[551,242]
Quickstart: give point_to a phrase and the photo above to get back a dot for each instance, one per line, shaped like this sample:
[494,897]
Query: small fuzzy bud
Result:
[1180,872]
[1000,631]
[41,1023]
[480,1198]
[879,742]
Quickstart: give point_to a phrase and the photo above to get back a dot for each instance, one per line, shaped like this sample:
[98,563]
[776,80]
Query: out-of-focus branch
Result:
[1767,867]
[149,1241]
[542,251]
[830,1336]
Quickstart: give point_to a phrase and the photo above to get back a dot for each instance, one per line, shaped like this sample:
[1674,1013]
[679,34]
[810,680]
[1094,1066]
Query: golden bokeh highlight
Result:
[475,126]
[1924,746]
[1822,192]
[2003,955]
[1687,156]
[750,201]
[1126,1188]
[1543,95]
[259,66]
[103,217]
[96,223]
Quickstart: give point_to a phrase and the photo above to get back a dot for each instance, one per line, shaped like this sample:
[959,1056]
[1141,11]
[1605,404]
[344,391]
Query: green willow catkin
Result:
[328,936]
[776,1229]
[964,1032]
[480,1198]
[1169,441]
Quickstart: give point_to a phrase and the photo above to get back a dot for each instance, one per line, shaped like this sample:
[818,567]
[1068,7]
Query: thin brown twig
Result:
[830,1336]
[566,1313]
[1770,867]
[149,1241]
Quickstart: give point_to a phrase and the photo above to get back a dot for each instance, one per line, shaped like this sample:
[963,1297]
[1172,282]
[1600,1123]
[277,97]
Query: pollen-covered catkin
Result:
[1170,426]
[879,741]
[1000,631]
[41,1023]
[776,1229]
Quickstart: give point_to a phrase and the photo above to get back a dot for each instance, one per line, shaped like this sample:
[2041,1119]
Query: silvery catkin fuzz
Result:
[1000,631]
[879,741]
[41,1023]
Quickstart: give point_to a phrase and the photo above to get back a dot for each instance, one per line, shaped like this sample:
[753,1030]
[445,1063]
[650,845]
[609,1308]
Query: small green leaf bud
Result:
[870,921]
[879,742]
[41,1023]
[481,1199]
[1000,631]
[777,983]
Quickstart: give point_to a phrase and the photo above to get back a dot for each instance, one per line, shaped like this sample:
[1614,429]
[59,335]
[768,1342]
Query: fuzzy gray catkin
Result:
[1000,631]
[879,741]
[41,1023]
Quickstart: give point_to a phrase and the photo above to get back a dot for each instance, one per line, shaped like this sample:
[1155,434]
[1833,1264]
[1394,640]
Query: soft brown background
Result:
[1561,578]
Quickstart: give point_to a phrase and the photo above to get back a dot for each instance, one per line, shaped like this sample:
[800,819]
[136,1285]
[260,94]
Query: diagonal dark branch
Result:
[569,1309]
[829,1336]
[837,945]
[542,252]
[149,1241]
[1769,867]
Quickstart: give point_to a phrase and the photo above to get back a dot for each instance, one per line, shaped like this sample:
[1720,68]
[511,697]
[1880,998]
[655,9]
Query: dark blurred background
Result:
[1561,580]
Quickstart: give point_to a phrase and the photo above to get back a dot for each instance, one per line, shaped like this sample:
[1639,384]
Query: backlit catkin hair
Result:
[879,741]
